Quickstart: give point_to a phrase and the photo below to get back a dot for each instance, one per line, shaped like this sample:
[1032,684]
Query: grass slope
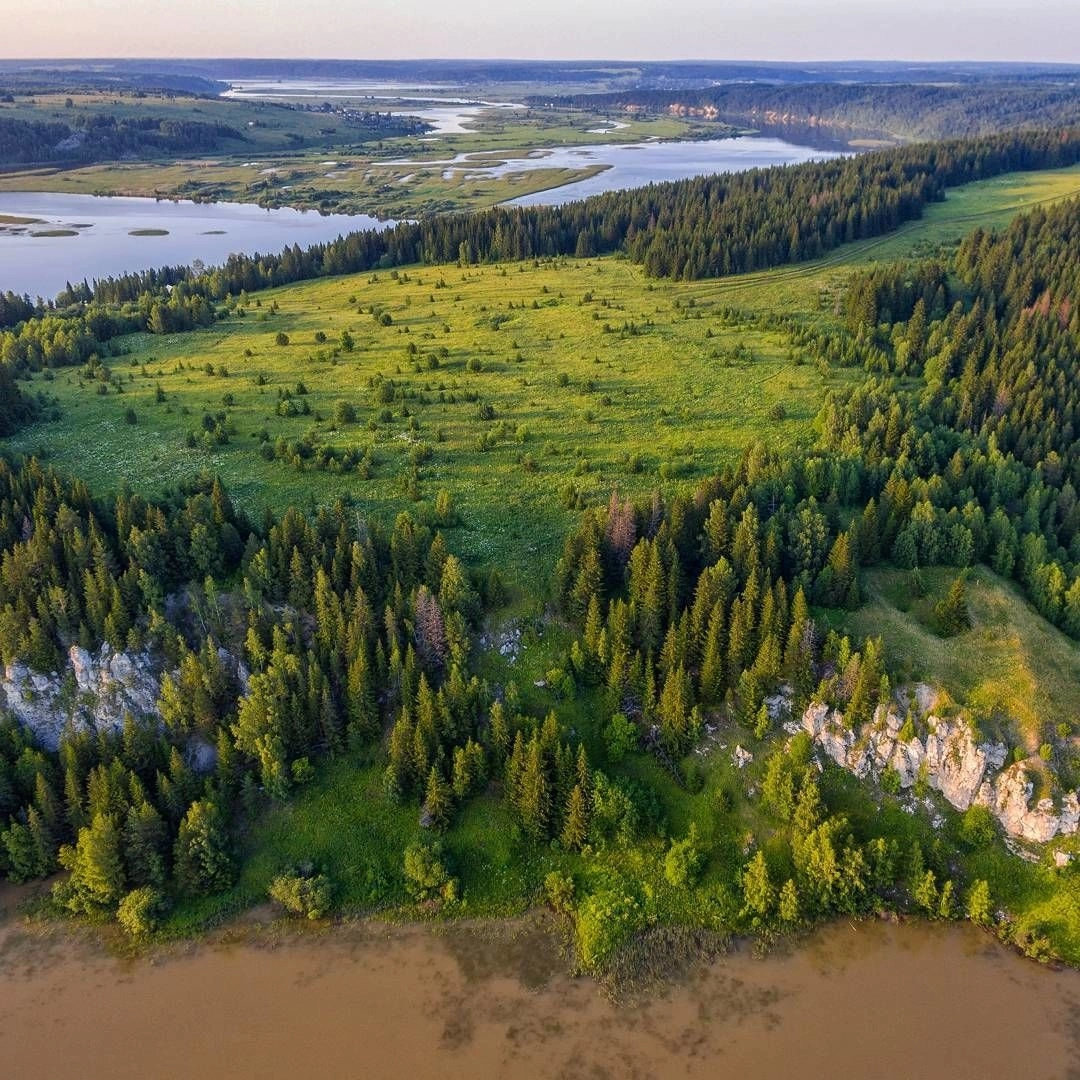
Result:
[1013,669]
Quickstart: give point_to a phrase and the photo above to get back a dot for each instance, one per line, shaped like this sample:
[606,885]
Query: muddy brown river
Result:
[866,1001]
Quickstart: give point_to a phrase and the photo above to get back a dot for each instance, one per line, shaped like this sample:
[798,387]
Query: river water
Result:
[447,114]
[867,1001]
[73,237]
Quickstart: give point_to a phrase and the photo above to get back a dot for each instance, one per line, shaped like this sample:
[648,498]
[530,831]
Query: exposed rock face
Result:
[1009,797]
[741,758]
[964,771]
[94,691]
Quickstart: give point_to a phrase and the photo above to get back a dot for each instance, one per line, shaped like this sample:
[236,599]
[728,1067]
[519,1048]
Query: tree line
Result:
[905,110]
[102,137]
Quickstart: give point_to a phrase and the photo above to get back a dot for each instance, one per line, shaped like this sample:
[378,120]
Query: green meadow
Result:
[515,388]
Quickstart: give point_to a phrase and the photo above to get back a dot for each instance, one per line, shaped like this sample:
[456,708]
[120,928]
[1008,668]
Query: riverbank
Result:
[494,999]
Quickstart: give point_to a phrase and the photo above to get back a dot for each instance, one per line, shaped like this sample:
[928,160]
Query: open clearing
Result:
[590,374]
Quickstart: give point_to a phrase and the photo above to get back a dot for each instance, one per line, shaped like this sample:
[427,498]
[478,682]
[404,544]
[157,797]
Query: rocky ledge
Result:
[93,691]
[949,759]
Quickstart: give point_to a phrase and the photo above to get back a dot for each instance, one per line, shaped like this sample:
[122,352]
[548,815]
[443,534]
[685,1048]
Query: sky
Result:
[1034,30]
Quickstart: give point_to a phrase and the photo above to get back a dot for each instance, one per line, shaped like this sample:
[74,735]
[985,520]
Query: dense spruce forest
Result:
[329,625]
[899,110]
[686,603]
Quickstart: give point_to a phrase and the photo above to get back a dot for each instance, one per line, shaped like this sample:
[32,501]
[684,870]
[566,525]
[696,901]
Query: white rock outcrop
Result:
[93,691]
[741,758]
[966,772]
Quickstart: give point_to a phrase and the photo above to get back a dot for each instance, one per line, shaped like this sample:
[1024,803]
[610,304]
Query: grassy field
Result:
[595,378]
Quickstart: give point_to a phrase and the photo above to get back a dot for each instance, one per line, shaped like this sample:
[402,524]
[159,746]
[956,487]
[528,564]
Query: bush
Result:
[559,891]
[620,737]
[140,911]
[130,417]
[309,896]
[344,412]
[282,338]
[427,876]
[977,827]
[683,862]
[606,921]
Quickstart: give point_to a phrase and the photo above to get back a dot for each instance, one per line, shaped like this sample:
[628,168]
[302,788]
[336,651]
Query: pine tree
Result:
[712,680]
[145,841]
[360,701]
[201,854]
[399,769]
[576,825]
[788,908]
[759,895]
[499,734]
[533,792]
[97,872]
[952,613]
[438,800]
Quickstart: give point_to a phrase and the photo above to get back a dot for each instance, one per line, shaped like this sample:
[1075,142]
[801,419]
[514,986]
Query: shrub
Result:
[977,827]
[559,891]
[282,338]
[140,911]
[978,906]
[309,896]
[344,412]
[620,737]
[606,921]
[683,861]
[130,417]
[890,782]
[427,876]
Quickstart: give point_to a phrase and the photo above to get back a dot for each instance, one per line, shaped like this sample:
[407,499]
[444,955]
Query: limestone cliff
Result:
[949,758]
[93,691]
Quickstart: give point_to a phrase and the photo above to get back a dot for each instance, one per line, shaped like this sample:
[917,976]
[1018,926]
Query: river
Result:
[863,1001]
[59,238]
[49,239]
[447,114]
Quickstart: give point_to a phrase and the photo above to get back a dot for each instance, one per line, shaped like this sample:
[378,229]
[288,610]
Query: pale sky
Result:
[803,30]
